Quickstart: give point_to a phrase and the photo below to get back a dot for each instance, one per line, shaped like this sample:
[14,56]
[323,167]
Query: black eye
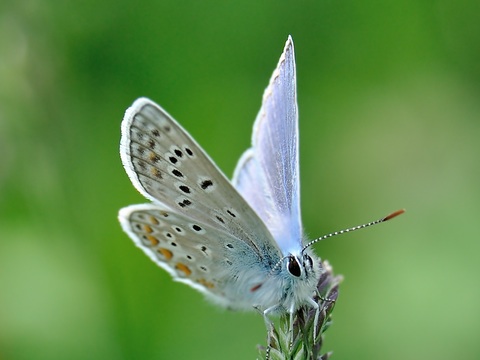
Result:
[293,266]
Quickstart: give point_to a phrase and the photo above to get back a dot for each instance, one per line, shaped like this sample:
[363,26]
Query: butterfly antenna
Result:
[386,218]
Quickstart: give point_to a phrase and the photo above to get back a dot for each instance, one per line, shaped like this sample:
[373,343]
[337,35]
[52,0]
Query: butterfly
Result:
[240,243]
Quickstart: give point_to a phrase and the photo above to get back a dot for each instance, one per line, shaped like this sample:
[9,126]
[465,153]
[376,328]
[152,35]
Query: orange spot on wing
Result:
[153,240]
[166,253]
[183,268]
[155,172]
[154,220]
[153,157]
[206,283]
[148,229]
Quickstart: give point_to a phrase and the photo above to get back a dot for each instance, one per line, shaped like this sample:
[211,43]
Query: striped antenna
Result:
[386,218]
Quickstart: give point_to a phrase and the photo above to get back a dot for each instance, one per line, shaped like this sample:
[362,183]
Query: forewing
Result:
[168,167]
[270,167]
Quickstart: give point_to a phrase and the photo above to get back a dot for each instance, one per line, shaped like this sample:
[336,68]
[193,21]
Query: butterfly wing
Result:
[184,248]
[267,175]
[168,167]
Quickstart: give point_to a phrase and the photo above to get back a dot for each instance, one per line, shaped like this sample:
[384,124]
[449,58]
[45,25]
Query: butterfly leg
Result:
[316,307]
[290,326]
[271,334]
[315,303]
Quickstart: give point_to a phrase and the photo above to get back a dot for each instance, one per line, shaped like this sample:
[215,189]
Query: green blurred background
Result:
[388,94]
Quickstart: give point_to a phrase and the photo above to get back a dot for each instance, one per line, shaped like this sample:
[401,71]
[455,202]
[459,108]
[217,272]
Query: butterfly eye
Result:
[293,266]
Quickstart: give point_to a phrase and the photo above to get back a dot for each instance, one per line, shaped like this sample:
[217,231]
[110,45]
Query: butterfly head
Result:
[300,272]
[300,266]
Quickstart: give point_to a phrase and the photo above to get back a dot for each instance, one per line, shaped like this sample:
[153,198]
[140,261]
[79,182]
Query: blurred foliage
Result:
[389,117]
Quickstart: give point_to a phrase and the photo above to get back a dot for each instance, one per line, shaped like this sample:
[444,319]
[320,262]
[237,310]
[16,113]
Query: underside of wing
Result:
[168,167]
[192,252]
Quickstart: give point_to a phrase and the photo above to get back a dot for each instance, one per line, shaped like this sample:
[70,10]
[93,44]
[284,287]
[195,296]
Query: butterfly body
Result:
[241,242]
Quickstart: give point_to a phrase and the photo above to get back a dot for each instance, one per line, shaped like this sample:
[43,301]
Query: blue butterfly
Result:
[240,243]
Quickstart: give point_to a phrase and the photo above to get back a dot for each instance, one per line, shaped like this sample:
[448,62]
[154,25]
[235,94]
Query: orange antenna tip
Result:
[394,214]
